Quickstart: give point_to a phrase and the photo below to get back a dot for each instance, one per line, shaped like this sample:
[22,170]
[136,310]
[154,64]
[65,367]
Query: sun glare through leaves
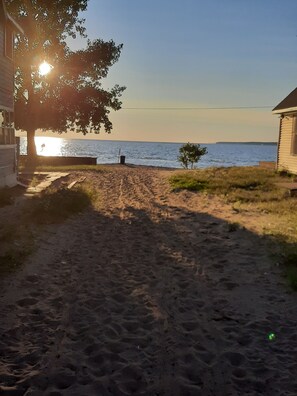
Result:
[44,68]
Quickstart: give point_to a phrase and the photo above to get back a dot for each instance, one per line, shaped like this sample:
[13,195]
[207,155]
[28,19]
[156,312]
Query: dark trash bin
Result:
[122,159]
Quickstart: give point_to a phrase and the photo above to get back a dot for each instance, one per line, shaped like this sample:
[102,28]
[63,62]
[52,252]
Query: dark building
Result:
[8,27]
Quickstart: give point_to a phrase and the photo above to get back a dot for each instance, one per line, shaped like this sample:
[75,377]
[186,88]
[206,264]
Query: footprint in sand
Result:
[62,380]
[32,278]
[235,358]
[190,326]
[239,373]
[206,357]
[26,302]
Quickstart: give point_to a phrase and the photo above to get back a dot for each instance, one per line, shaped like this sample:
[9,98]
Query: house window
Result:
[2,117]
[6,128]
[294,137]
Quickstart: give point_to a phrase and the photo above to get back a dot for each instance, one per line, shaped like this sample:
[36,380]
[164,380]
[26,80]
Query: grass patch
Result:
[70,168]
[56,205]
[249,189]
[65,168]
[16,243]
[187,182]
[253,191]
[236,184]
[12,259]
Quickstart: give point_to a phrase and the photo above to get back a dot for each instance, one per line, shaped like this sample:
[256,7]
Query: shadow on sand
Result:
[132,303]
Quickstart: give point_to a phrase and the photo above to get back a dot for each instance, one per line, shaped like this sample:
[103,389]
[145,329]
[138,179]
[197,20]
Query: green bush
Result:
[190,153]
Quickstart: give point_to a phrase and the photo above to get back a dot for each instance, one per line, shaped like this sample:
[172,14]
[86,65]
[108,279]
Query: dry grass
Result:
[56,205]
[64,168]
[244,184]
[253,190]
[16,242]
[17,239]
[247,188]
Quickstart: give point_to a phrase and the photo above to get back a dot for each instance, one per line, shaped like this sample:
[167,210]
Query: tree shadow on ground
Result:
[166,303]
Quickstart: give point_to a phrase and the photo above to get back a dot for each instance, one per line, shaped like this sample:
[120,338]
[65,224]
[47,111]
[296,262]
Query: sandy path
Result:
[147,295]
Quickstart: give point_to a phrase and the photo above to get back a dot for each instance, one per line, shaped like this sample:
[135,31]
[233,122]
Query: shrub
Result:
[55,206]
[190,154]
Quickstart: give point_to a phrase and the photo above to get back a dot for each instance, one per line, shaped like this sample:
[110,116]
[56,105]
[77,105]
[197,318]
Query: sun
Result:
[44,68]
[49,146]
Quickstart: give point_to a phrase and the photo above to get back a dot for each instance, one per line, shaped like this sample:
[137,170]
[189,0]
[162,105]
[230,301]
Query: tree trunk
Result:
[31,147]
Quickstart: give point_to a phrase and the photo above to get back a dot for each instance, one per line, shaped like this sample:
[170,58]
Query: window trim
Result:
[294,137]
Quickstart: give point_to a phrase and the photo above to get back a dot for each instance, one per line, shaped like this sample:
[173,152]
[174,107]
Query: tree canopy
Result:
[71,96]
[190,153]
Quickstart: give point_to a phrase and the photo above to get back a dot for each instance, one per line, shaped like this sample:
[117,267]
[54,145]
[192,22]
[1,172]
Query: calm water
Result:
[155,154]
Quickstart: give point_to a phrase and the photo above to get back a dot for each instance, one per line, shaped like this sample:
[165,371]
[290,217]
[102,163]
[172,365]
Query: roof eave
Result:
[287,110]
[15,24]
[10,19]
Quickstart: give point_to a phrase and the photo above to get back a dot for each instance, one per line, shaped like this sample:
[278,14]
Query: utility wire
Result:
[198,108]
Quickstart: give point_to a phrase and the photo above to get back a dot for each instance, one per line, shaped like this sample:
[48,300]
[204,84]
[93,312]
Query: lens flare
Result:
[271,336]
[44,68]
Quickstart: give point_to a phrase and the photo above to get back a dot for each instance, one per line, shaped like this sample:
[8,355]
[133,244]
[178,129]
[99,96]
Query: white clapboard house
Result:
[287,143]
[8,28]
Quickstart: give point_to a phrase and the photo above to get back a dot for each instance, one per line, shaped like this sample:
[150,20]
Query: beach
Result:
[148,293]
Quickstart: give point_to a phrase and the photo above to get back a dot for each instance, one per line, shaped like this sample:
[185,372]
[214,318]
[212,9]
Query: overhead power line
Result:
[198,108]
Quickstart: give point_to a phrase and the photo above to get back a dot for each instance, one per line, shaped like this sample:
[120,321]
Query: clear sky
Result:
[192,53]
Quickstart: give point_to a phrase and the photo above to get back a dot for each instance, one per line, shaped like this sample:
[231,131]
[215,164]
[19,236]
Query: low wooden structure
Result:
[59,160]
[7,138]
[287,144]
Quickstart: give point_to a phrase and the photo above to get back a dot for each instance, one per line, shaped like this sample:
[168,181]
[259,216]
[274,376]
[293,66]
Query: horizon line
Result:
[153,141]
[197,108]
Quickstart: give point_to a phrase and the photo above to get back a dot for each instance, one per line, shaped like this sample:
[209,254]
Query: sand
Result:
[148,294]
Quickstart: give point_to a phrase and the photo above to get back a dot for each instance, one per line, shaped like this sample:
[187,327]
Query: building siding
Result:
[286,161]
[7,140]
[6,75]
[1,38]
[7,166]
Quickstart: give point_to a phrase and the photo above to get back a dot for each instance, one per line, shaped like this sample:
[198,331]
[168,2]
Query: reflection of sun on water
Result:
[48,145]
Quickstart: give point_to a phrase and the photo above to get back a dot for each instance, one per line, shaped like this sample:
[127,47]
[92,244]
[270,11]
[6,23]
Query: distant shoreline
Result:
[257,143]
[62,136]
